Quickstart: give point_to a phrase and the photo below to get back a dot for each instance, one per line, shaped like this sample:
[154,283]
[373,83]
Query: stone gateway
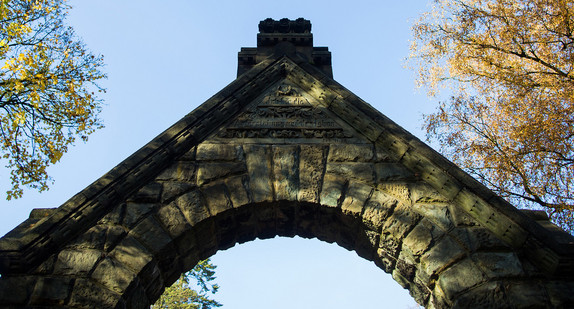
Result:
[285,150]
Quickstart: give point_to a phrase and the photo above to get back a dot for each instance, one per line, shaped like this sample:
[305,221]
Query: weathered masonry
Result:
[285,150]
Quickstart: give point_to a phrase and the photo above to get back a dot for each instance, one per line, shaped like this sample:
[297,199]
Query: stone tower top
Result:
[285,37]
[285,25]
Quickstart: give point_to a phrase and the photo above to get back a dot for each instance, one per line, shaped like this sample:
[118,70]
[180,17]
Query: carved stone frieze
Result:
[287,112]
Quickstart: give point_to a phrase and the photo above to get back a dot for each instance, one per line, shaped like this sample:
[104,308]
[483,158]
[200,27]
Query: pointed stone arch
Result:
[284,150]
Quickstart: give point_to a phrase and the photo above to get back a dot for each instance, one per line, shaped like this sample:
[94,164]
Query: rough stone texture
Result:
[259,168]
[440,256]
[311,170]
[286,172]
[377,209]
[192,207]
[76,261]
[333,188]
[52,291]
[219,152]
[113,275]
[351,153]
[211,171]
[88,294]
[459,277]
[355,197]
[285,150]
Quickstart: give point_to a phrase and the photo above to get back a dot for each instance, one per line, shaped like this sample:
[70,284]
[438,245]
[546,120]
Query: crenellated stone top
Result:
[285,25]
[285,37]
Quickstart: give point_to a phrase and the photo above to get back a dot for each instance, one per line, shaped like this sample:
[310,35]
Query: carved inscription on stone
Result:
[285,112]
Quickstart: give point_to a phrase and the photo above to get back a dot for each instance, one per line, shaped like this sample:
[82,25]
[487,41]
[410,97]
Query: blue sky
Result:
[164,58]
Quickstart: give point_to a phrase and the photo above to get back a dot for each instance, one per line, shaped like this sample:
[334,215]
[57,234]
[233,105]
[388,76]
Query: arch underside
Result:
[218,195]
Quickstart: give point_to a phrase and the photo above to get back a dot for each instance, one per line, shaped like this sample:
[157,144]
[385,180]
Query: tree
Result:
[47,84]
[182,296]
[510,121]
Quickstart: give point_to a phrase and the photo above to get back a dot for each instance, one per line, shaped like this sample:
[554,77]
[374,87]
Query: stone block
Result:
[77,262]
[440,256]
[441,181]
[16,290]
[377,209]
[192,207]
[114,217]
[424,193]
[489,217]
[405,269]
[498,264]
[172,220]
[461,217]
[89,294]
[102,237]
[136,297]
[390,148]
[135,212]
[356,196]
[132,254]
[459,277]
[51,291]
[311,170]
[149,193]
[351,153]
[527,294]
[402,221]
[211,171]
[286,172]
[219,152]
[354,170]
[237,189]
[395,227]
[333,187]
[478,238]
[150,233]
[487,295]
[398,190]
[113,275]
[259,170]
[438,213]
[392,172]
[178,171]
[215,197]
[421,238]
[173,189]
[386,258]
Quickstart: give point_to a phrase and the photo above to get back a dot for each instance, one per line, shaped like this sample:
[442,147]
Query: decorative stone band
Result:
[283,133]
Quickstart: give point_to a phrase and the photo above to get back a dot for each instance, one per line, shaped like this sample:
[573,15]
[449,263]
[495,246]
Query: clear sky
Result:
[164,58]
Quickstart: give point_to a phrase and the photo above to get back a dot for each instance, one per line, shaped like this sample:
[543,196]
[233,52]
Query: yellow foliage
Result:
[509,67]
[46,86]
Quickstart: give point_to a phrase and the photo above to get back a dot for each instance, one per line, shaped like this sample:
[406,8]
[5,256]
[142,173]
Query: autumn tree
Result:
[47,85]
[181,295]
[510,121]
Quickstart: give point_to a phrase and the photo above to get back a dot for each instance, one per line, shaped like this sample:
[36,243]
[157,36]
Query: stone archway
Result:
[285,150]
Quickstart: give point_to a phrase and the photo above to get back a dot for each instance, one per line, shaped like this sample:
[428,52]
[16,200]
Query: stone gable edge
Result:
[35,238]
